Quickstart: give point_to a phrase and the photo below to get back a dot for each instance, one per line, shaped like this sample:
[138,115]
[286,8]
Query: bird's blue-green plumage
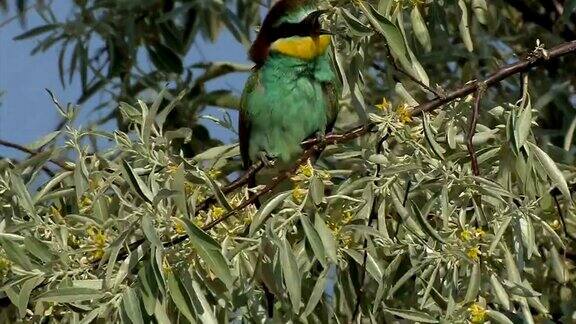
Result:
[284,102]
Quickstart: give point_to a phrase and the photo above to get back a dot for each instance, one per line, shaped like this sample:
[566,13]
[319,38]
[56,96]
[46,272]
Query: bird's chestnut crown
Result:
[293,28]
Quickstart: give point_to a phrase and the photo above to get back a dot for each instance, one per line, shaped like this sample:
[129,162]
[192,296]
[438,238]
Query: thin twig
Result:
[32,152]
[399,70]
[472,131]
[562,219]
[373,216]
[501,74]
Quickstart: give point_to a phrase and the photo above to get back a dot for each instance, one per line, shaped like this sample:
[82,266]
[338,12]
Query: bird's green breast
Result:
[287,104]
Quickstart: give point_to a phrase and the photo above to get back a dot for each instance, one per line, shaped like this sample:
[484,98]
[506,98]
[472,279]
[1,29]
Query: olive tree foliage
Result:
[411,221]
[122,50]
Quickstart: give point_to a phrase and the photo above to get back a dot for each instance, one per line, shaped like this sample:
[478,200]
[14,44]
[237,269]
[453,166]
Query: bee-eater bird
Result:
[290,95]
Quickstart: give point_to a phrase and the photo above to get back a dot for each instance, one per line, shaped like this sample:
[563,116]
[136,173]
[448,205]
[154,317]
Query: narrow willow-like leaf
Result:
[291,275]
[501,295]
[473,284]
[131,305]
[210,251]
[69,295]
[558,267]
[552,170]
[499,233]
[137,183]
[179,296]
[314,240]
[420,29]
[498,317]
[412,315]
[327,238]
[480,10]
[265,211]
[25,291]
[316,294]
[464,26]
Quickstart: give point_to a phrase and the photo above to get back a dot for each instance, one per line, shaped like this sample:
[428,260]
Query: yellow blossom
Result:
[98,241]
[214,174]
[171,168]
[217,212]
[306,169]
[298,194]
[477,313]
[403,113]
[178,226]
[346,240]
[347,217]
[5,266]
[166,266]
[188,188]
[555,225]
[479,233]
[198,221]
[474,253]
[417,3]
[385,105]
[85,204]
[466,235]
[56,215]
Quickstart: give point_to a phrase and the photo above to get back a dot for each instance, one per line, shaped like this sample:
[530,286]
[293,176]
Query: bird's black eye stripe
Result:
[287,29]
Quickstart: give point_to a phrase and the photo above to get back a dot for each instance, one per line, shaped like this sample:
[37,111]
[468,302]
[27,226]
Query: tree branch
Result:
[33,152]
[316,145]
[501,74]
[472,130]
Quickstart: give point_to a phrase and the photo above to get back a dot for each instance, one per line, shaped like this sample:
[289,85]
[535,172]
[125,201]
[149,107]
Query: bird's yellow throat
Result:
[306,48]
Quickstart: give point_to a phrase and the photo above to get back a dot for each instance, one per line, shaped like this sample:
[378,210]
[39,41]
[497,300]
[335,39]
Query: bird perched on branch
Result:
[291,94]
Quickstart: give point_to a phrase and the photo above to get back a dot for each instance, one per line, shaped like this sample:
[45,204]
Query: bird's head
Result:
[292,28]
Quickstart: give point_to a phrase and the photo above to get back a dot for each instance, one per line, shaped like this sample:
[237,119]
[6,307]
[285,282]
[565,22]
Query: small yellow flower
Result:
[477,313]
[85,204]
[217,212]
[466,235]
[346,240]
[198,221]
[306,169]
[166,266]
[385,105]
[474,253]
[189,188]
[5,266]
[93,185]
[324,175]
[347,217]
[178,226]
[417,3]
[171,168]
[98,241]
[56,215]
[403,113]
[298,194]
[334,227]
[479,233]
[555,225]
[214,174]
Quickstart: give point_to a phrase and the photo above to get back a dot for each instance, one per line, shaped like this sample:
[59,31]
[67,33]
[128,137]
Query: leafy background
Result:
[138,224]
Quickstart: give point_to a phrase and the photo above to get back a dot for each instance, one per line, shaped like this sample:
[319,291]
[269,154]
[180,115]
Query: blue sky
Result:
[26,111]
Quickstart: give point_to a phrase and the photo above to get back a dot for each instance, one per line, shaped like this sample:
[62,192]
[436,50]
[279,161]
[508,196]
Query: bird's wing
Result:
[245,124]
[331,95]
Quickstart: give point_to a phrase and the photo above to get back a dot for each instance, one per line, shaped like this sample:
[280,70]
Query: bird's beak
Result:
[315,17]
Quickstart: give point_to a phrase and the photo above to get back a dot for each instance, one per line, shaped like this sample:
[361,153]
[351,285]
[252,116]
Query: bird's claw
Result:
[267,160]
[320,137]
